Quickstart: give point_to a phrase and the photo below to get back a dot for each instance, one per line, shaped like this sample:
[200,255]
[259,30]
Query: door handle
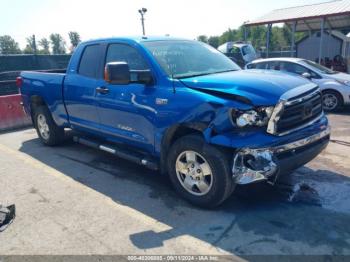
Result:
[102,90]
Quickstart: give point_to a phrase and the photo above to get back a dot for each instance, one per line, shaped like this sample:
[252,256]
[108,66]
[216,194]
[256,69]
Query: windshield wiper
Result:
[203,74]
[225,71]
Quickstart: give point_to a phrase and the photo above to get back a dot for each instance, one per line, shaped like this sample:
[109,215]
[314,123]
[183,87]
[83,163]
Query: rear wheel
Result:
[332,101]
[200,172]
[49,133]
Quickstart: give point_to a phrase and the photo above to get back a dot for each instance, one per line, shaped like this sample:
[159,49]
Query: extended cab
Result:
[183,108]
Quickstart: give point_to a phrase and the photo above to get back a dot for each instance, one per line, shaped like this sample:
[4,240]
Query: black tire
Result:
[337,96]
[222,185]
[56,133]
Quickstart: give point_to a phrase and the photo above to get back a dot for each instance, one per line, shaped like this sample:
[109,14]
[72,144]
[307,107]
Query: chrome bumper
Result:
[256,164]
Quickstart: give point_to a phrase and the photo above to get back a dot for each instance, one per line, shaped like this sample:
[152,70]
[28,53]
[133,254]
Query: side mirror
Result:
[306,75]
[117,73]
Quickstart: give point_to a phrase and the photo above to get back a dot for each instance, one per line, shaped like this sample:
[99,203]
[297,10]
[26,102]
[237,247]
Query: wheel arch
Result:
[334,91]
[36,101]
[174,133]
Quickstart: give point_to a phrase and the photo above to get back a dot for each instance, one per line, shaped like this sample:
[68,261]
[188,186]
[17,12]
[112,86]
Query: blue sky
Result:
[102,18]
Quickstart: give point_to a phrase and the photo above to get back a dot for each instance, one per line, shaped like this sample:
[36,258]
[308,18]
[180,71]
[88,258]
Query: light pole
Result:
[142,12]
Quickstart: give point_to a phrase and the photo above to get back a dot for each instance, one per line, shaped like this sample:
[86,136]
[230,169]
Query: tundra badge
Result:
[161,101]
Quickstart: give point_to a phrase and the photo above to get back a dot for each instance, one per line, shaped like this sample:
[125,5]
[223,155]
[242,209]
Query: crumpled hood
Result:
[260,87]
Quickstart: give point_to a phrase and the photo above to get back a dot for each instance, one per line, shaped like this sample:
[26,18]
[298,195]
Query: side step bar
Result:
[122,153]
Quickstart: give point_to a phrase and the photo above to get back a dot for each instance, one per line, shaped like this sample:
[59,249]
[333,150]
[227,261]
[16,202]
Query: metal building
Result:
[328,16]
[335,43]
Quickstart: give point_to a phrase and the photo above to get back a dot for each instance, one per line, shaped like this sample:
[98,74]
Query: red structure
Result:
[11,113]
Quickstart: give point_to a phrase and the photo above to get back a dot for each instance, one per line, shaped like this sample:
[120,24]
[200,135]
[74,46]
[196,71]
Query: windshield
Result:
[248,49]
[180,59]
[319,67]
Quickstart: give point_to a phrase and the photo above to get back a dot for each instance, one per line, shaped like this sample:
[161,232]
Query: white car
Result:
[335,86]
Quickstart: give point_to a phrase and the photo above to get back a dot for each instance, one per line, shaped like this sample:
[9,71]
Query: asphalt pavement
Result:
[75,200]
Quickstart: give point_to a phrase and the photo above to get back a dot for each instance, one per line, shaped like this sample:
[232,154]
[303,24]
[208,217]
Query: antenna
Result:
[172,81]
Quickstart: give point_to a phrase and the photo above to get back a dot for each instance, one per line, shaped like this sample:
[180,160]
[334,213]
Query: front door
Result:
[126,111]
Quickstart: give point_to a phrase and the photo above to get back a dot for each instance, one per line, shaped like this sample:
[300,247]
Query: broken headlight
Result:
[254,117]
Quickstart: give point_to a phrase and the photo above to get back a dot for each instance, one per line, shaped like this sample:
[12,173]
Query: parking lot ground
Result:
[75,200]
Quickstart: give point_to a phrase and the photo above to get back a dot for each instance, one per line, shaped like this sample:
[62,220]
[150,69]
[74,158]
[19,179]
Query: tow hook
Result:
[253,165]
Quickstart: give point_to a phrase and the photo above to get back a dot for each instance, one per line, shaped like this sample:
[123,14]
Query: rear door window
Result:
[262,65]
[274,65]
[90,62]
[251,66]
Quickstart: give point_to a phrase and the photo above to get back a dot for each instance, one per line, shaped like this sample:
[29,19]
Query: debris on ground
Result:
[7,215]
[304,193]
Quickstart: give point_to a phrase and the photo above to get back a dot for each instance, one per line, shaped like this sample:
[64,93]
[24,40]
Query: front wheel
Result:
[49,133]
[200,172]
[332,101]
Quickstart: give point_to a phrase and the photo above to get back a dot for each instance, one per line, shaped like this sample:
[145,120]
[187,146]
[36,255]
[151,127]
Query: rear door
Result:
[80,89]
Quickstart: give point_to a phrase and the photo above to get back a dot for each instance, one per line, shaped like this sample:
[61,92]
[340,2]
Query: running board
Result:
[122,153]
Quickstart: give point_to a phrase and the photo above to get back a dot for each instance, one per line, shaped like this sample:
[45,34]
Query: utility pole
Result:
[34,45]
[269,26]
[292,46]
[142,12]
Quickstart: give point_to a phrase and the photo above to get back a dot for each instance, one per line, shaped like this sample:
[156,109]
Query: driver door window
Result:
[293,68]
[128,54]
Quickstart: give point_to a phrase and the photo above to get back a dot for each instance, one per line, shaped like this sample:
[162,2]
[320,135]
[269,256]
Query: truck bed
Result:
[48,85]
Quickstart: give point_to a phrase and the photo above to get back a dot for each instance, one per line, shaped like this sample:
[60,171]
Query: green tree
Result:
[27,50]
[213,41]
[278,40]
[8,45]
[228,36]
[31,45]
[287,34]
[45,46]
[257,36]
[58,44]
[202,38]
[74,39]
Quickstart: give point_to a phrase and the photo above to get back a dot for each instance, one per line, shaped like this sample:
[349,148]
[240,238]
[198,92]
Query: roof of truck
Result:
[136,39]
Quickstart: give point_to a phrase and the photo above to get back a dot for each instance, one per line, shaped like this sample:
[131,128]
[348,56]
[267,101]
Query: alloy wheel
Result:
[43,127]
[194,173]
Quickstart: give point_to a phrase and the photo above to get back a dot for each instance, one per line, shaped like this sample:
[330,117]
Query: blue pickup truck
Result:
[183,108]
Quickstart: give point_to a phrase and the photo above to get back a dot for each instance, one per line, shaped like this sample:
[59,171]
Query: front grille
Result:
[297,113]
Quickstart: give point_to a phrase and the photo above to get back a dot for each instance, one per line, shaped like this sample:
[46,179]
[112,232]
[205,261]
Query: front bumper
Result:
[346,97]
[267,163]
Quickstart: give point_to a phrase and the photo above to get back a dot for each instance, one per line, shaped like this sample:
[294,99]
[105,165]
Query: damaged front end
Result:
[266,164]
[253,165]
